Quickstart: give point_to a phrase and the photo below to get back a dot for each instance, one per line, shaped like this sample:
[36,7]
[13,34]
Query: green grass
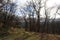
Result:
[21,34]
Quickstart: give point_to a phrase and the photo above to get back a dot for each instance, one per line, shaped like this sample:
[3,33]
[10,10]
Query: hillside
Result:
[21,34]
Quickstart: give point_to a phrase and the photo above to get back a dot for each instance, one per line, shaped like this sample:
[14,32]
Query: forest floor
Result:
[21,34]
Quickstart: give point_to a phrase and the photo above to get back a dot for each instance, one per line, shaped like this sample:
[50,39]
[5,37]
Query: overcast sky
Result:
[50,3]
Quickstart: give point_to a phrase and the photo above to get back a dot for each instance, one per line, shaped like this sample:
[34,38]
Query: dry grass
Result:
[21,34]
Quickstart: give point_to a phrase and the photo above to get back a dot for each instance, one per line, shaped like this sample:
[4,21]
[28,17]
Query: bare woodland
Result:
[32,23]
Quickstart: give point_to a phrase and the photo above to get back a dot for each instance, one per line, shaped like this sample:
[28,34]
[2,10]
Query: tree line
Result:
[32,22]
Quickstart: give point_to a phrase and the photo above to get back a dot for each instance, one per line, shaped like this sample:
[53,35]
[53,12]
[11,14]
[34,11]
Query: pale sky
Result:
[49,4]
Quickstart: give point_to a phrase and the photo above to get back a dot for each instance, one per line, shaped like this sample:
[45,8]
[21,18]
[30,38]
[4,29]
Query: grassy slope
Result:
[20,34]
